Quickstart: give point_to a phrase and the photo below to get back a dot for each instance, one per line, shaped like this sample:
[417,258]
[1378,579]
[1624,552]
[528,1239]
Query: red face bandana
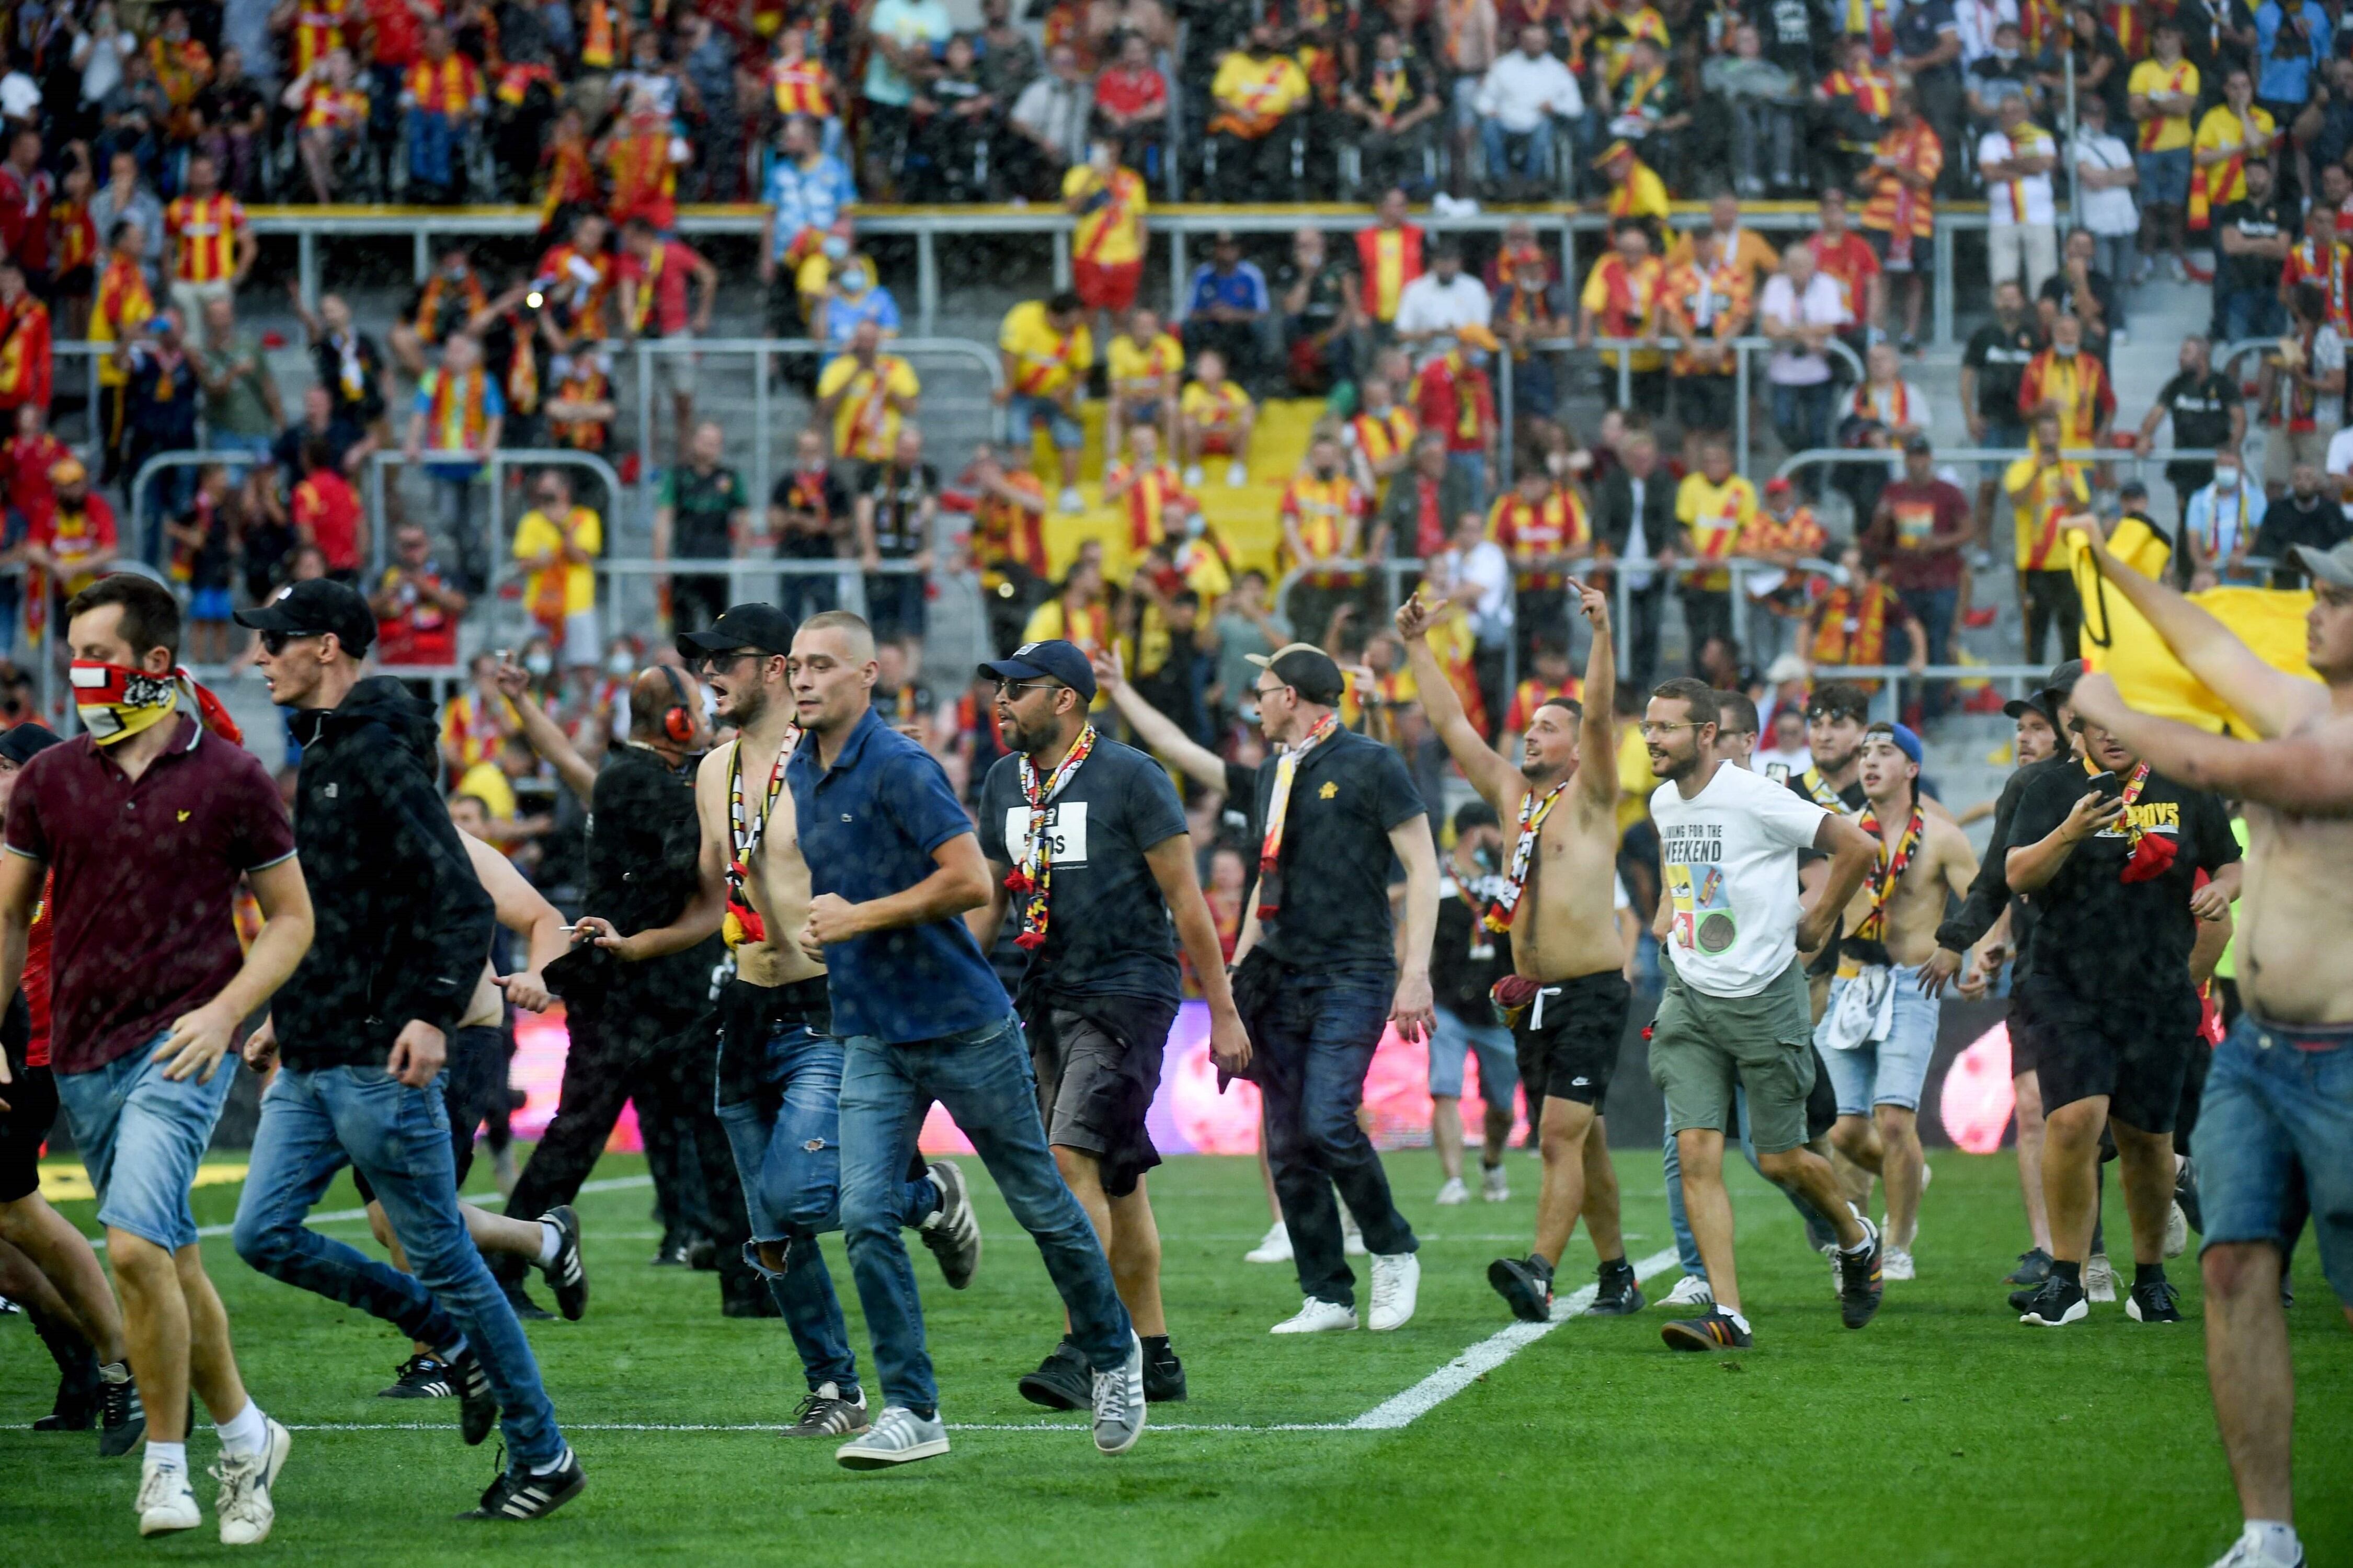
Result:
[116,702]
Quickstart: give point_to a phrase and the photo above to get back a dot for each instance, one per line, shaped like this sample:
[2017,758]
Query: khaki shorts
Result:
[1701,1045]
[2283,448]
[674,373]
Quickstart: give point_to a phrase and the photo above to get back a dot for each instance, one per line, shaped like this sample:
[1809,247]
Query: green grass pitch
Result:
[1943,1434]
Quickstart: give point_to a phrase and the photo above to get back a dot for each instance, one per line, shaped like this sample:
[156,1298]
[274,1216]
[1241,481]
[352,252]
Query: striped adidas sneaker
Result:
[520,1495]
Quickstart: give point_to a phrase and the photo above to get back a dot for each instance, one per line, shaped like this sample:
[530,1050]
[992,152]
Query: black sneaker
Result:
[123,1417]
[2155,1302]
[1860,1285]
[669,1254]
[526,1309]
[478,1409]
[1712,1330]
[421,1376]
[1164,1375]
[1063,1381]
[564,1273]
[2058,1303]
[953,1233]
[2185,1193]
[702,1255]
[825,1414]
[76,1408]
[2033,1268]
[1615,1292]
[1526,1286]
[519,1496]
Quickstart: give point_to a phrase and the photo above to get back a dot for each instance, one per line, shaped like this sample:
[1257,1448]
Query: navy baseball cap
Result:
[1053,660]
[312,608]
[22,743]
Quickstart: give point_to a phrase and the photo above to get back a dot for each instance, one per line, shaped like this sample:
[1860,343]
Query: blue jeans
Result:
[787,1141]
[1801,421]
[141,1136]
[435,149]
[984,1079]
[1472,466]
[1024,414]
[1315,1035]
[1535,148]
[316,1122]
[1890,1071]
[2247,313]
[1686,1246]
[2277,1117]
[1935,608]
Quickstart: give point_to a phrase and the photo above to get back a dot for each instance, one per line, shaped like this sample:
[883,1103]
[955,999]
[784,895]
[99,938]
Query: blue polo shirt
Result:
[869,826]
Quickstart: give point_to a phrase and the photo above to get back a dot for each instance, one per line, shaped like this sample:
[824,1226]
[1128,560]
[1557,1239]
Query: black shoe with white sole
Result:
[2061,1301]
[1860,1285]
[478,1407]
[1164,1374]
[421,1376]
[825,1414]
[1063,1381]
[519,1496]
[1615,1292]
[1526,1286]
[952,1232]
[2155,1302]
[123,1418]
[563,1272]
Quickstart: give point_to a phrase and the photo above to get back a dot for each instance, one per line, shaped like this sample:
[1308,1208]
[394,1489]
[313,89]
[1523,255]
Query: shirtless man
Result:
[779,1062]
[2275,1131]
[1567,993]
[1880,1030]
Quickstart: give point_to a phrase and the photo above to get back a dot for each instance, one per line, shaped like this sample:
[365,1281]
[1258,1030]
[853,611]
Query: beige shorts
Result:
[2284,449]
[674,373]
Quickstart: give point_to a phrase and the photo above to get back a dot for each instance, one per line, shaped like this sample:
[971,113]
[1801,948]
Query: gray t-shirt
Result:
[241,408]
[1237,637]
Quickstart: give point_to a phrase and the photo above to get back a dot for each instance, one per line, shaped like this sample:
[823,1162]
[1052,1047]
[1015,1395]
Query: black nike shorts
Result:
[2135,1054]
[1572,1052]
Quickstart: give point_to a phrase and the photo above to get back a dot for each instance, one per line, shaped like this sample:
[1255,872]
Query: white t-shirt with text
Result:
[1729,858]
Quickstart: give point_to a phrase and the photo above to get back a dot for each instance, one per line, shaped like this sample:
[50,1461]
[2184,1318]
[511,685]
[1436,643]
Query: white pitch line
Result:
[1404,1409]
[771,1426]
[336,1217]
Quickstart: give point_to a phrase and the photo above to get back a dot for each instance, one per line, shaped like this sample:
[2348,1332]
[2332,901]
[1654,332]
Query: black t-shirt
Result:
[2098,936]
[340,435]
[2060,289]
[1990,892]
[1412,94]
[2201,404]
[815,492]
[2286,524]
[1791,31]
[1466,959]
[1999,355]
[898,495]
[1851,802]
[1346,796]
[1918,30]
[2204,45]
[701,505]
[2254,220]
[1107,930]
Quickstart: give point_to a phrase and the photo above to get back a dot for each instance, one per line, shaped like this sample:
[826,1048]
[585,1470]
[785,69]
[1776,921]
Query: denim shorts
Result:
[1889,1071]
[2165,177]
[1452,1038]
[209,605]
[141,1136]
[1024,413]
[2003,435]
[2277,1115]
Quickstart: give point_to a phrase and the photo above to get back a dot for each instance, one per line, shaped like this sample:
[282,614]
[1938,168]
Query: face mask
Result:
[1195,525]
[2063,351]
[2226,478]
[836,247]
[2005,55]
[853,282]
[116,702]
[619,664]
[455,274]
[538,664]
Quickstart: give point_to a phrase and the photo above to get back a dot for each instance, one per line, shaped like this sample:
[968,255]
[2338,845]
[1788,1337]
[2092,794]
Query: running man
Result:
[1087,844]
[1317,976]
[1567,995]
[893,867]
[1880,1030]
[362,1029]
[60,1286]
[154,811]
[2275,1129]
[1735,1007]
[779,1059]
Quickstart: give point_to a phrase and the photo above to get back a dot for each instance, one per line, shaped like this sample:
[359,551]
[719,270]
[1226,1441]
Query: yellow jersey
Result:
[1138,370]
[2164,132]
[1713,516]
[540,535]
[1045,362]
[865,424]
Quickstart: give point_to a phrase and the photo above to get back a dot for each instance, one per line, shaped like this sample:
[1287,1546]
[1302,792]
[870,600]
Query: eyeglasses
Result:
[1011,691]
[274,643]
[1262,692]
[1650,728]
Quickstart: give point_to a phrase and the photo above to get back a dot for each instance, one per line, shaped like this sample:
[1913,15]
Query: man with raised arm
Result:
[1567,995]
[2275,1129]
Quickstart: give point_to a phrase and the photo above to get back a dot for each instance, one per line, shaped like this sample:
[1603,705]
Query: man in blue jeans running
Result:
[363,1028]
[893,863]
[780,1092]
[2274,1137]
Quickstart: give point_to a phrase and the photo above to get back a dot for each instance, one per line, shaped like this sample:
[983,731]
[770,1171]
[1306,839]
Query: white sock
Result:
[115,1372]
[2275,1539]
[1737,1321]
[171,1455]
[551,1241]
[558,1463]
[246,1431]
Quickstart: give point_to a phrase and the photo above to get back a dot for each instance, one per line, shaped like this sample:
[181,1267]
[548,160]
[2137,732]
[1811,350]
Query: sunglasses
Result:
[1011,691]
[274,643]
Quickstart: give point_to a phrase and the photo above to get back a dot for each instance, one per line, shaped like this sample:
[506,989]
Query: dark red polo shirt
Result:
[143,877]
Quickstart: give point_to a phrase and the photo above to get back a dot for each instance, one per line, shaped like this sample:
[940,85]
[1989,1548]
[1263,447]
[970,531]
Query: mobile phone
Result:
[2109,786]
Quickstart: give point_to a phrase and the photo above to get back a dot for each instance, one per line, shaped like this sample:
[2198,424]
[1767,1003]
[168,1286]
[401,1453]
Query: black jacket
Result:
[403,926]
[644,841]
[1615,522]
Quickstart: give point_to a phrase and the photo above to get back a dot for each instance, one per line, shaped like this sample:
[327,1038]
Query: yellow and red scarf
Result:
[743,922]
[1278,812]
[1534,809]
[1032,880]
[1887,869]
[2152,854]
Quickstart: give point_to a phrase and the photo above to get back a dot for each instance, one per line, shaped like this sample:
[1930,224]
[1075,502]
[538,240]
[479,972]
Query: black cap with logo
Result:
[313,608]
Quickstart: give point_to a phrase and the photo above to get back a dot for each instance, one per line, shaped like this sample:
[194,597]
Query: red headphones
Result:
[678,719]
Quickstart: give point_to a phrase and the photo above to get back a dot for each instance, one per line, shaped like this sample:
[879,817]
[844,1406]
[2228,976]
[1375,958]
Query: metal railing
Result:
[493,465]
[1887,700]
[1392,574]
[1893,459]
[423,226]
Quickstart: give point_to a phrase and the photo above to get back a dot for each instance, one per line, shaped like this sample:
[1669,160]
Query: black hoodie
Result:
[403,924]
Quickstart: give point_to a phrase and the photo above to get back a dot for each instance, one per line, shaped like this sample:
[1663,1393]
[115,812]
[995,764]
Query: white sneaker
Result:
[1454,1193]
[2099,1279]
[1119,1403]
[1316,1316]
[1192,476]
[2247,1552]
[1493,1186]
[1896,1263]
[166,1503]
[900,1437]
[1396,1280]
[1071,502]
[244,1505]
[1237,474]
[1691,1291]
[2177,1232]
[1274,1248]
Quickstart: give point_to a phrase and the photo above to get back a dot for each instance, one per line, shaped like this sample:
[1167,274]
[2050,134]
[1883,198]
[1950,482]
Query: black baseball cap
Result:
[25,741]
[2045,699]
[1052,660]
[314,609]
[1919,442]
[1306,670]
[762,626]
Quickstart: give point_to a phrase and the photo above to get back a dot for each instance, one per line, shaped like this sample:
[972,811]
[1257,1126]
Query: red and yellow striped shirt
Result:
[205,236]
[318,31]
[453,87]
